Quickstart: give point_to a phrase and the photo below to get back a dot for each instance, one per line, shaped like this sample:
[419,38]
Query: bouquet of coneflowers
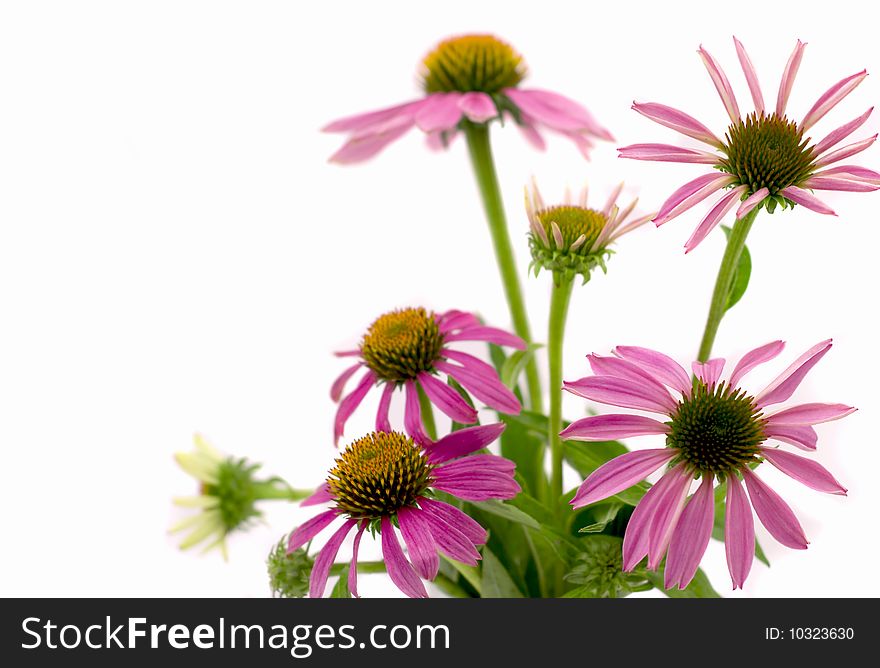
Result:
[479,508]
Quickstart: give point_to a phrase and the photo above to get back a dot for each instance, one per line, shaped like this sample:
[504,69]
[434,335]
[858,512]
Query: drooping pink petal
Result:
[751,77]
[453,517]
[611,427]
[806,471]
[464,442]
[690,537]
[667,153]
[440,111]
[419,542]
[450,538]
[476,464]
[623,368]
[447,399]
[399,569]
[807,199]
[556,111]
[845,152]
[309,529]
[666,515]
[531,134]
[625,393]
[831,97]
[722,85]
[678,121]
[629,227]
[784,385]
[709,372]
[325,559]
[412,415]
[321,495]
[715,216]
[491,334]
[374,121]
[791,68]
[621,472]
[670,372]
[353,567]
[465,479]
[691,194]
[350,403]
[637,537]
[739,533]
[361,148]
[852,172]
[845,185]
[347,353]
[751,202]
[774,513]
[382,421]
[803,436]
[453,319]
[478,107]
[836,136]
[583,143]
[339,384]
[755,358]
[490,391]
[472,363]
[809,414]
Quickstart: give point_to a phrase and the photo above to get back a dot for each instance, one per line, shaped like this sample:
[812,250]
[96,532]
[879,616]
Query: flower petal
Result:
[490,391]
[666,515]
[447,399]
[625,393]
[751,202]
[751,76]
[803,436]
[842,184]
[636,538]
[374,121]
[621,473]
[667,153]
[806,471]
[774,513]
[722,85]
[678,121]
[809,414]
[321,495]
[412,415]
[472,363]
[361,148]
[845,152]
[440,111]
[715,215]
[831,97]
[791,68]
[611,427]
[453,517]
[755,358]
[353,567]
[691,194]
[709,372]
[491,334]
[670,372]
[382,421]
[622,368]
[805,198]
[339,384]
[309,529]
[453,319]
[478,107]
[787,382]
[399,569]
[691,536]
[350,403]
[325,559]
[556,111]
[739,533]
[419,542]
[838,135]
[464,442]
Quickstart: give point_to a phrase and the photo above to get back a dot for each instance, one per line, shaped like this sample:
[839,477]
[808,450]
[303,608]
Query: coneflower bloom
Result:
[572,238]
[384,481]
[406,349]
[471,78]
[714,431]
[765,158]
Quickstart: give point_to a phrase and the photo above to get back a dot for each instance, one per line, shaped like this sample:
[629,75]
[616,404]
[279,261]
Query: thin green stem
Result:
[559,302]
[279,490]
[480,150]
[427,409]
[735,244]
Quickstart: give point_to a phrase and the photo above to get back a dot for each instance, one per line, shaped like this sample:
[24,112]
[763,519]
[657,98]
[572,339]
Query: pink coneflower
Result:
[406,349]
[765,157]
[714,430]
[471,78]
[385,480]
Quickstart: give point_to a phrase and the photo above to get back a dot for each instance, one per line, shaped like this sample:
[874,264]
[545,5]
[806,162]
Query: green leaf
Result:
[741,276]
[496,581]
[508,512]
[524,447]
[516,362]
[470,573]
[603,514]
[700,587]
[340,590]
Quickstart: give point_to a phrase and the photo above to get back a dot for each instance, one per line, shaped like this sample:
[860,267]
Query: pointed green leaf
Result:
[340,590]
[508,512]
[741,276]
[496,581]
[700,587]
[515,363]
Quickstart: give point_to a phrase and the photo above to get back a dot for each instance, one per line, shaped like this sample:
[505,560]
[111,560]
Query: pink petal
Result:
[382,421]
[804,198]
[774,513]
[670,372]
[666,515]
[809,414]
[399,569]
[361,148]
[722,85]
[464,442]
[691,194]
[348,405]
[475,465]
[709,372]
[556,111]
[787,382]
[321,495]
[461,479]
[803,437]
[352,569]
[451,541]
[853,173]
[755,358]
[667,153]
[440,140]
[339,384]
[412,416]
[325,559]
[739,533]
[831,97]
[612,427]
[478,107]
[453,319]
[532,135]
[374,121]
[419,542]
[636,539]
[347,353]
[846,185]
[440,111]
[791,69]
[623,368]
[447,399]
[491,334]
[751,202]
[751,77]
[447,515]
[678,121]
[582,142]
[473,364]
[691,536]
[619,392]
[309,529]
[715,216]
[806,471]
[490,391]
[838,135]
[620,473]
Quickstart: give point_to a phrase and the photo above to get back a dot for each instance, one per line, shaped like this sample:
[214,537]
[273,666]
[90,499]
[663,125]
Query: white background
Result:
[177,255]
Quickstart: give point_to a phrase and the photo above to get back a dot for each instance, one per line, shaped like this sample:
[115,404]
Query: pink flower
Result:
[405,349]
[714,430]
[471,78]
[765,158]
[384,480]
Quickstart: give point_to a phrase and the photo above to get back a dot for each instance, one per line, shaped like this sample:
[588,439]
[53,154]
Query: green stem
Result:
[735,244]
[427,410]
[363,567]
[559,302]
[480,150]
[279,490]
[450,587]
